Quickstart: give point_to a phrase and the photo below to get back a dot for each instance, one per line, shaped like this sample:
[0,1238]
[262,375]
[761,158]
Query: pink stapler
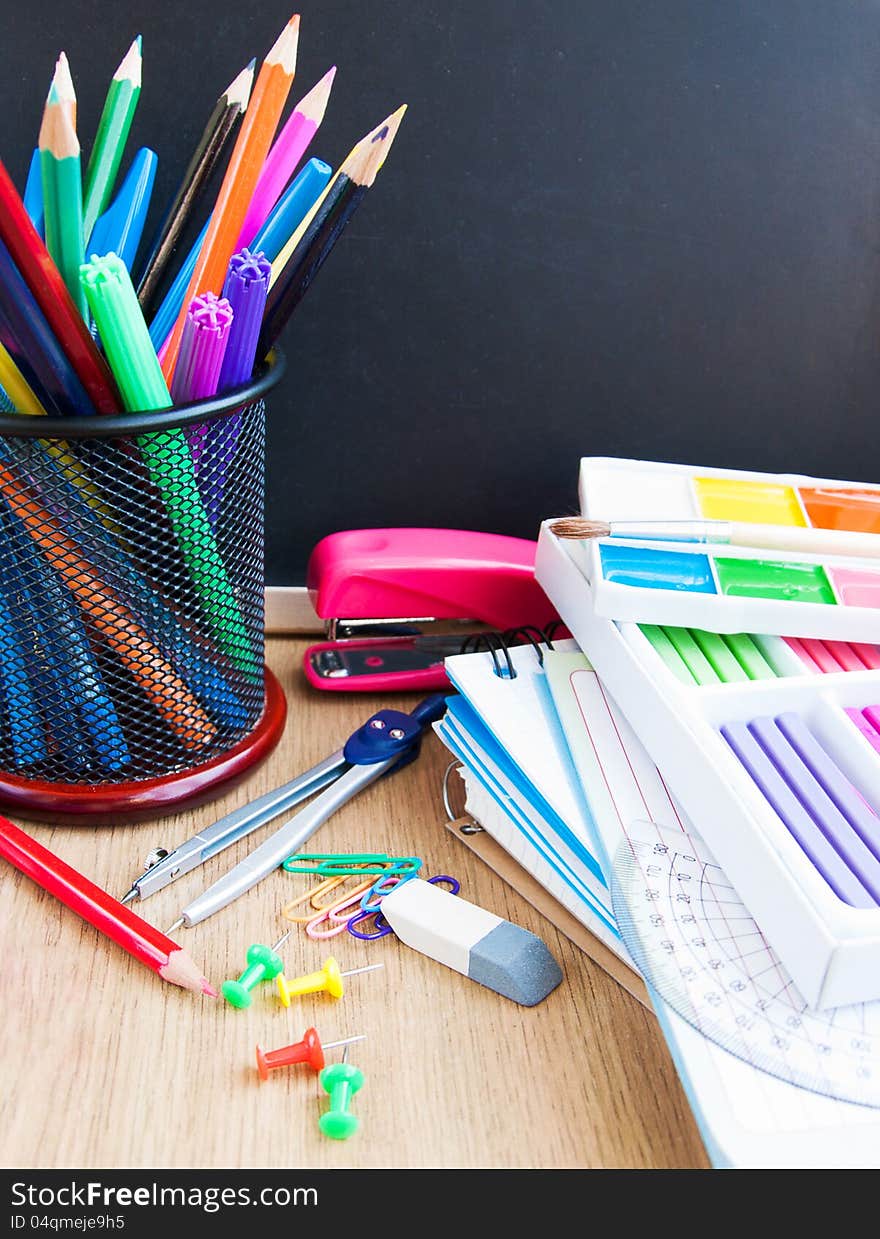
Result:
[379,590]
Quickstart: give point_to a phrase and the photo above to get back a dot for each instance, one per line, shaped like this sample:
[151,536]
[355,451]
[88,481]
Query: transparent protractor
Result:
[699,949]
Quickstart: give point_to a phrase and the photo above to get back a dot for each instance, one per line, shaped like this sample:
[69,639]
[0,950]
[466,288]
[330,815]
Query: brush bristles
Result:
[579,527]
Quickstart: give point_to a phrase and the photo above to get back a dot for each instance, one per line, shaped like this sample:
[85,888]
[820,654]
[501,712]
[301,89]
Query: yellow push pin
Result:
[328,978]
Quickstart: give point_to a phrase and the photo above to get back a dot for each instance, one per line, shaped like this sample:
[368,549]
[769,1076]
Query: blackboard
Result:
[624,227]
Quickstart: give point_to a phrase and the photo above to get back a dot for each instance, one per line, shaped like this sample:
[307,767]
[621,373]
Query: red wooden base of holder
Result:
[108,803]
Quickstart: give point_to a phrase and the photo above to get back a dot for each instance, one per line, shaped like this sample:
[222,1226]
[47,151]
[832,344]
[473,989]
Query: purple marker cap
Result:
[202,348]
[792,812]
[246,288]
[809,782]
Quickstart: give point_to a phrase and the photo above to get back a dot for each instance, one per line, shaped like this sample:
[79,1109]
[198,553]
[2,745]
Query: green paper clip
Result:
[333,864]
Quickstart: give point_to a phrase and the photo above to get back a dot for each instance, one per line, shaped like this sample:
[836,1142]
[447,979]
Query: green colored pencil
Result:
[119,108]
[61,175]
[126,339]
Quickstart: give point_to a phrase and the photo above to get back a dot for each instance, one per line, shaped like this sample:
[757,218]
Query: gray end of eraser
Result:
[514,963]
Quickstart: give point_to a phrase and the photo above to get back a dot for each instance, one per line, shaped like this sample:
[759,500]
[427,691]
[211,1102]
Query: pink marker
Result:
[202,347]
[287,150]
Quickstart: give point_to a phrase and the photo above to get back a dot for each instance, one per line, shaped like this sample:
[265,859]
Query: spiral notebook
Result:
[554,772]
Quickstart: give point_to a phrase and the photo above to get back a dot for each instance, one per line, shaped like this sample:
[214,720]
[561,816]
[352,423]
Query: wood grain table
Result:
[105,1066]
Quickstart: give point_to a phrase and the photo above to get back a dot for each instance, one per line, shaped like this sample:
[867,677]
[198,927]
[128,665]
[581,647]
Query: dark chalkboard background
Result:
[626,227]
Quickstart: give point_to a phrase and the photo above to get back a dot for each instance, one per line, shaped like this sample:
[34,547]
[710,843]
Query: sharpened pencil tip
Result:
[208,989]
[177,924]
[131,65]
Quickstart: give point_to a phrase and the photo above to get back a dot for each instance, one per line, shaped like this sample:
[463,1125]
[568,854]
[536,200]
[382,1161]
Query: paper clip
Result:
[332,915]
[311,895]
[381,928]
[327,864]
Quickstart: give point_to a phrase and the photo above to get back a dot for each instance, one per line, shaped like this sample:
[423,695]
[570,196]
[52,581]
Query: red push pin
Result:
[309,1051]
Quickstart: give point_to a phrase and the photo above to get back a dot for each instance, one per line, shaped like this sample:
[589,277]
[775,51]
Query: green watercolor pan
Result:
[728,588]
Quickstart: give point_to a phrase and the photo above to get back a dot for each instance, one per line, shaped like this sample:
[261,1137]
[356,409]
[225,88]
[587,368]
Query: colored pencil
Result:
[33,192]
[62,83]
[113,128]
[249,153]
[49,658]
[283,159]
[202,349]
[109,615]
[21,700]
[17,388]
[26,336]
[35,265]
[163,322]
[113,561]
[302,257]
[291,208]
[62,195]
[120,228]
[73,687]
[206,157]
[121,325]
[100,909]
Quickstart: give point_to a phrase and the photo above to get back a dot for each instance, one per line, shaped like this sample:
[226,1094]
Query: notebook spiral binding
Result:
[498,644]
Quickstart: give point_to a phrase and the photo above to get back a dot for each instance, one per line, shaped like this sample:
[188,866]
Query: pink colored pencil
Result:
[287,150]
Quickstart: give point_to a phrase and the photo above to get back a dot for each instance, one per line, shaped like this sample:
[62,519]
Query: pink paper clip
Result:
[331,914]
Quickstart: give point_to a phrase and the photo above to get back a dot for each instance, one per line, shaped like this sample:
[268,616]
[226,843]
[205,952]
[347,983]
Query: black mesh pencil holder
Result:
[132,673]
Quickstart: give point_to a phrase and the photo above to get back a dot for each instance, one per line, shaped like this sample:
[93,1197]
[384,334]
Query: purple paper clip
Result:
[381,927]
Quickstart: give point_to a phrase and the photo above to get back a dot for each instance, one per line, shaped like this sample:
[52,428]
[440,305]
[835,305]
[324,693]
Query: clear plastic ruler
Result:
[696,945]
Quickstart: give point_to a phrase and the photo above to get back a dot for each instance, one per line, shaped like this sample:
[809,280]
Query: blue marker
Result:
[291,209]
[33,194]
[119,229]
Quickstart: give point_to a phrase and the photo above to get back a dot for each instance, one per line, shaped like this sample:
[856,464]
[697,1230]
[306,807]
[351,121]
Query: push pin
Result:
[328,978]
[309,1051]
[262,965]
[341,1081]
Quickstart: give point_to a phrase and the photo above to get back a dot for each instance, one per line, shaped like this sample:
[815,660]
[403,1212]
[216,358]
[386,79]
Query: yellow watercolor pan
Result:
[753,502]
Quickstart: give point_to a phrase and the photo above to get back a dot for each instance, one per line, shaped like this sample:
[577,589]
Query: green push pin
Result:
[341,1081]
[262,965]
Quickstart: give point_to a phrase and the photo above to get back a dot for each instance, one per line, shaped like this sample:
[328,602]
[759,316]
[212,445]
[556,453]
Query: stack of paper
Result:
[555,773]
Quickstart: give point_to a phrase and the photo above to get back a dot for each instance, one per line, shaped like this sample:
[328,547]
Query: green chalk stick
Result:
[667,652]
[720,657]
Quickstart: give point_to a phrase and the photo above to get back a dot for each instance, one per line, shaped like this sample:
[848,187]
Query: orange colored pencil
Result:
[243,171]
[119,628]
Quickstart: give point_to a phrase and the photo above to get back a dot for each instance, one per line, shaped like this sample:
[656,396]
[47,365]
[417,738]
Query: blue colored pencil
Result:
[30,342]
[166,315]
[22,708]
[291,208]
[40,624]
[33,194]
[120,228]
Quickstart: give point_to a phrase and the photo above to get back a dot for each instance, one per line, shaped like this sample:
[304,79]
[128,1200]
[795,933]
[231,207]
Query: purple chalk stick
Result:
[810,788]
[849,801]
[792,812]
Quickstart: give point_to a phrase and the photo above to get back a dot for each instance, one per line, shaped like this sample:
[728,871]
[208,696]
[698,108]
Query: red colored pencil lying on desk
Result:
[107,914]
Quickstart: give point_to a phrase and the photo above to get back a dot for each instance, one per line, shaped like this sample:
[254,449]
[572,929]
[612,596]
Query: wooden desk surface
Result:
[105,1066]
